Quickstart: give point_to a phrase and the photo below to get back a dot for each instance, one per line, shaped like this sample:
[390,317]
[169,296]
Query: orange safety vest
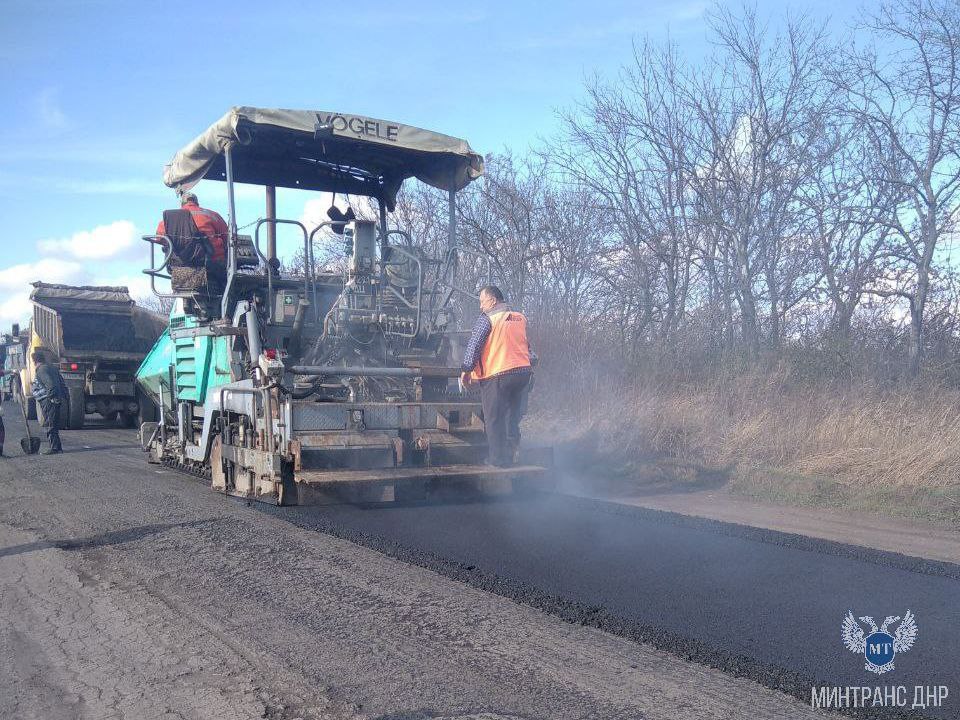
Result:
[210,224]
[506,347]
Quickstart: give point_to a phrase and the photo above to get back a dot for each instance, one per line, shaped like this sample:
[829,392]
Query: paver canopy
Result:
[327,151]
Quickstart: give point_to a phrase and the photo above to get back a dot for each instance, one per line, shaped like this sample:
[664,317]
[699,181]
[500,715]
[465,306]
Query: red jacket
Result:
[210,224]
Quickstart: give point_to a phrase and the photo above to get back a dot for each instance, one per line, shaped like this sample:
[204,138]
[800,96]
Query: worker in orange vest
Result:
[498,358]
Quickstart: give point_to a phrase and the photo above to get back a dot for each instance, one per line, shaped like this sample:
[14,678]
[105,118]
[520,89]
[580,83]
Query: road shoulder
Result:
[913,538]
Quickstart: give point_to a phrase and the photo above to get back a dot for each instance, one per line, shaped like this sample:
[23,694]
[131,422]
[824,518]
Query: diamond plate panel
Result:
[319,416]
[376,416]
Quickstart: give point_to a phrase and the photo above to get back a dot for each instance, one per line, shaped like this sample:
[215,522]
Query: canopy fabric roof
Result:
[318,150]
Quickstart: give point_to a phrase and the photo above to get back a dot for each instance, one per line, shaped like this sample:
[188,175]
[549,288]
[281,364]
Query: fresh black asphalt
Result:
[756,603]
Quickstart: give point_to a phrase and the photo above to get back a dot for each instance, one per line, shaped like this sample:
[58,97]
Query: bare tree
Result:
[770,199]
[762,102]
[501,217]
[627,148]
[161,306]
[844,205]
[906,91]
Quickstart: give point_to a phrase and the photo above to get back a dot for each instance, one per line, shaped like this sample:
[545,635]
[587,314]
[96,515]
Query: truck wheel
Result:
[76,410]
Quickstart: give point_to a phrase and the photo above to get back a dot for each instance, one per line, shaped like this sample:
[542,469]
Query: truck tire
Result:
[76,410]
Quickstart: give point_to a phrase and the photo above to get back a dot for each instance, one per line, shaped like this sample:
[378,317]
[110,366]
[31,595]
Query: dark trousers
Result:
[513,430]
[51,421]
[502,398]
[3,435]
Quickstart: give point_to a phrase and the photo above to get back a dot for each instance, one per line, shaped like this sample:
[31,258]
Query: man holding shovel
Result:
[50,391]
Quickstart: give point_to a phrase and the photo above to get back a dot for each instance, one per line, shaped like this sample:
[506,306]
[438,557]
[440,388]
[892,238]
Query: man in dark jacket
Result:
[50,392]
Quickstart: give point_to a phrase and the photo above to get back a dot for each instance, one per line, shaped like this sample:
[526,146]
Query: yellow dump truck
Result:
[98,336]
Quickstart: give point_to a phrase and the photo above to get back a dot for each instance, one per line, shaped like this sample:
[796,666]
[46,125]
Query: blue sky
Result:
[98,95]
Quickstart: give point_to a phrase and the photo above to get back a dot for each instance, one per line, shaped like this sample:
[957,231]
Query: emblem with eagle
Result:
[879,646]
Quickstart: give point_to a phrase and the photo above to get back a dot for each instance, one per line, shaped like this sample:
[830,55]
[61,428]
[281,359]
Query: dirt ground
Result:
[128,591]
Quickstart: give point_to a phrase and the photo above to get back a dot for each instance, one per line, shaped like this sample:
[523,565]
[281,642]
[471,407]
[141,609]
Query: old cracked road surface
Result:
[130,591]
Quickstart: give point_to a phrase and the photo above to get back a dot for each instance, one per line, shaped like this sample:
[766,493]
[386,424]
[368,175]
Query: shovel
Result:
[30,445]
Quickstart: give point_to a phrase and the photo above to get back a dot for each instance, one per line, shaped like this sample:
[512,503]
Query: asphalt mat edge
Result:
[794,541]
[688,649]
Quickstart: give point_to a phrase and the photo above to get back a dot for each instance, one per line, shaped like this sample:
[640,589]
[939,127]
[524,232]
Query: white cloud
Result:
[15,282]
[115,240]
[52,270]
[14,309]
[48,108]
[106,255]
[15,285]
[136,282]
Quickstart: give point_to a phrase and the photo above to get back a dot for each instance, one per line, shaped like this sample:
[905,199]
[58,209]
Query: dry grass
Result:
[894,450]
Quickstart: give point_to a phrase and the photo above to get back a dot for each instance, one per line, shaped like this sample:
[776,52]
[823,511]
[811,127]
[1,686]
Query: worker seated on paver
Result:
[198,240]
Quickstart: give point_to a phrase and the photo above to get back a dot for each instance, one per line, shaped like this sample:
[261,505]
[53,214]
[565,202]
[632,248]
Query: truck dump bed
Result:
[86,320]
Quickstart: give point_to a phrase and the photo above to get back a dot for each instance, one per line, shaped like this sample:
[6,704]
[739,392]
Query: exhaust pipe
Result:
[293,349]
[253,336]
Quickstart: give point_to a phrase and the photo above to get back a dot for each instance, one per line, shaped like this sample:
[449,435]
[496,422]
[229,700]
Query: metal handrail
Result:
[324,224]
[157,272]
[453,287]
[476,254]
[307,258]
[411,256]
